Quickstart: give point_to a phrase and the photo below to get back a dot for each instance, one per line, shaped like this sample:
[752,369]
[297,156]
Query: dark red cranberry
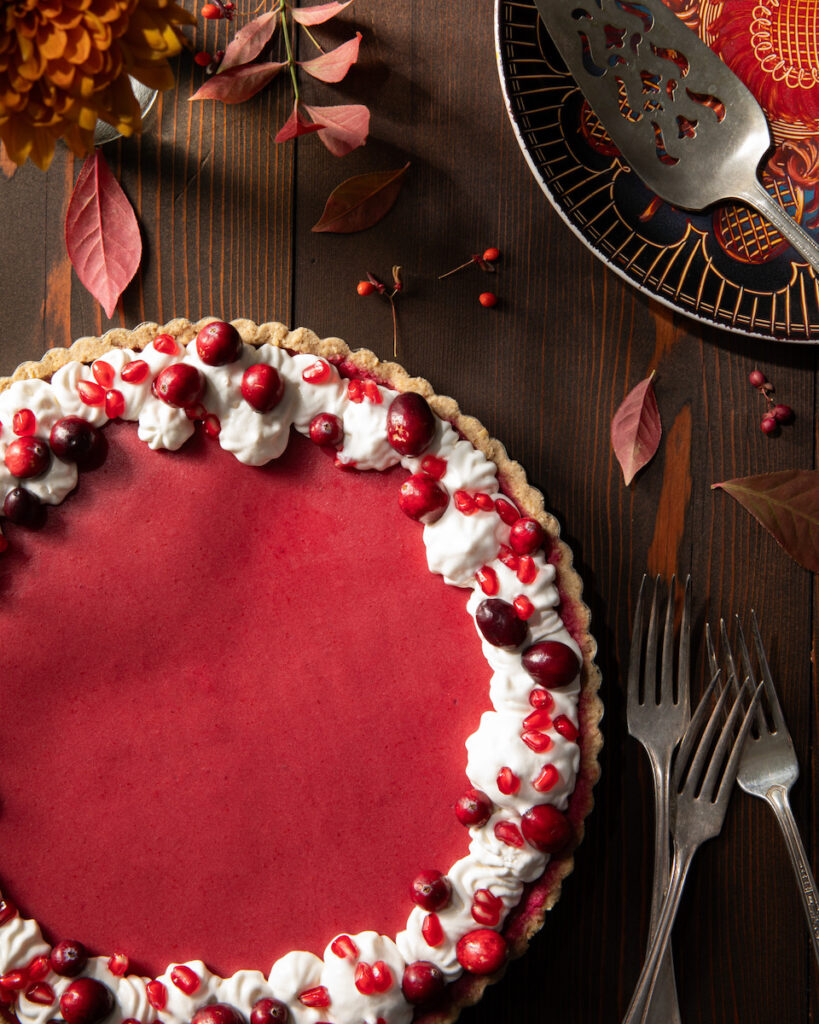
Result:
[23,508]
[769,424]
[27,457]
[526,536]
[431,890]
[218,343]
[551,663]
[423,498]
[68,958]
[422,982]
[326,429]
[474,808]
[783,414]
[74,439]
[410,423]
[269,1011]
[262,387]
[757,378]
[180,384]
[86,1001]
[500,623]
[546,828]
[217,1013]
[482,951]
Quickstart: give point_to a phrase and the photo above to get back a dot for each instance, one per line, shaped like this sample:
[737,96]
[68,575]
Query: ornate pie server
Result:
[679,116]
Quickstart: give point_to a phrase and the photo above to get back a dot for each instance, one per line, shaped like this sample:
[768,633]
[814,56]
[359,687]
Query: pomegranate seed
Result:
[213,428]
[68,958]
[269,1011]
[539,719]
[484,502]
[365,288]
[547,779]
[486,907]
[482,951]
[465,503]
[372,393]
[757,378]
[38,968]
[217,1013]
[432,931]
[196,412]
[488,299]
[783,414]
[551,663]
[527,570]
[344,948]
[537,741]
[7,910]
[364,981]
[499,624]
[118,964]
[27,457]
[218,344]
[431,890]
[508,513]
[434,466]
[90,392]
[473,808]
[317,372]
[24,422]
[165,344]
[540,698]
[382,976]
[262,387]
[410,423]
[87,1001]
[422,982]
[41,993]
[508,783]
[545,828]
[134,372]
[488,580]
[185,979]
[180,385]
[508,832]
[526,536]
[355,391]
[7,997]
[566,728]
[316,997]
[157,994]
[15,980]
[508,557]
[104,373]
[524,607]
[422,498]
[114,404]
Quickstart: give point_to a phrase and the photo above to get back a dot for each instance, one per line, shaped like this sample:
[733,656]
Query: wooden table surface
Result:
[225,215]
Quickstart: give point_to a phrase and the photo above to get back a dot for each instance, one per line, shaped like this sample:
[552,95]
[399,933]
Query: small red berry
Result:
[262,387]
[23,508]
[86,1001]
[218,343]
[423,498]
[526,536]
[500,624]
[27,457]
[326,429]
[410,423]
[431,890]
[269,1011]
[551,663]
[422,982]
[482,951]
[181,385]
[769,424]
[546,828]
[211,12]
[488,299]
[202,59]
[473,809]
[365,288]
[185,979]
[757,378]
[491,255]
[217,1013]
[74,439]
[783,414]
[68,958]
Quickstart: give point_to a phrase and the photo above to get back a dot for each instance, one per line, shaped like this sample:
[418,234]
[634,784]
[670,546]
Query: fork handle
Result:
[777,797]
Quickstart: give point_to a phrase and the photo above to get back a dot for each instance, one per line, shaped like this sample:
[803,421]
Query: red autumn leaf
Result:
[787,505]
[249,41]
[360,202]
[238,84]
[317,14]
[294,126]
[334,65]
[101,233]
[636,429]
[343,128]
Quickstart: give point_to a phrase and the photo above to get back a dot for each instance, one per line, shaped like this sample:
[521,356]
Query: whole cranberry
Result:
[546,828]
[526,536]
[74,439]
[431,890]
[68,958]
[86,1001]
[410,423]
[269,1011]
[262,387]
[500,624]
[326,429]
[481,951]
[180,384]
[757,378]
[422,982]
[769,424]
[27,457]
[474,808]
[23,508]
[218,343]
[423,498]
[217,1013]
[551,663]
[783,414]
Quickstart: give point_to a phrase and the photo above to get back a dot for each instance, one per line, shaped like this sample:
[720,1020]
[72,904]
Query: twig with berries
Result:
[776,413]
[372,285]
[486,262]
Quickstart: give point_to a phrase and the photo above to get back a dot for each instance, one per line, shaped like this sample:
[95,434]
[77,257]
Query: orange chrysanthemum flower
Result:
[66,63]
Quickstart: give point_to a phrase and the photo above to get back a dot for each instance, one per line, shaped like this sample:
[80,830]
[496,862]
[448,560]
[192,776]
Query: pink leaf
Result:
[295,125]
[238,84]
[319,13]
[249,41]
[101,233]
[333,66]
[636,429]
[344,128]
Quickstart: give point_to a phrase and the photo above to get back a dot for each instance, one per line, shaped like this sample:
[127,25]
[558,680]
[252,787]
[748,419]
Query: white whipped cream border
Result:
[457,546]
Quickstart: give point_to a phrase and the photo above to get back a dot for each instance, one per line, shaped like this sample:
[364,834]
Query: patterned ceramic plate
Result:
[726,266]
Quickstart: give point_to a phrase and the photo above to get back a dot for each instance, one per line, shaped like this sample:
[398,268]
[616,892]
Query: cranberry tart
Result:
[239,667]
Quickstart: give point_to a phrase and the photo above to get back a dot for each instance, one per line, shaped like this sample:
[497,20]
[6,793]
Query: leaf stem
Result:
[394,326]
[290,62]
[313,39]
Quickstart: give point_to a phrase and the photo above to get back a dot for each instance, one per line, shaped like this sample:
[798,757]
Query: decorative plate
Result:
[726,266]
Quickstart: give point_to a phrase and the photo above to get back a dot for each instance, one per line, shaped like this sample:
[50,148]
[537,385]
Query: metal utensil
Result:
[680,117]
[704,776]
[658,721]
[769,766]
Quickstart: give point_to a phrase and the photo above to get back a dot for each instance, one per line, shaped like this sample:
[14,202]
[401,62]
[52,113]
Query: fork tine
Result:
[744,654]
[704,741]
[765,671]
[633,683]
[684,656]
[725,738]
[730,774]
[650,664]
[693,730]
[667,671]
[725,645]
[713,664]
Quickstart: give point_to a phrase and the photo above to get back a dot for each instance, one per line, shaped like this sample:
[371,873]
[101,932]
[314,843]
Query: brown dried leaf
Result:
[636,429]
[360,202]
[787,505]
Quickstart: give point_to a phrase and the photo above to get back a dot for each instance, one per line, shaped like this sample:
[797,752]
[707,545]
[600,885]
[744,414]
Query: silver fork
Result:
[701,790]
[769,766]
[658,724]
